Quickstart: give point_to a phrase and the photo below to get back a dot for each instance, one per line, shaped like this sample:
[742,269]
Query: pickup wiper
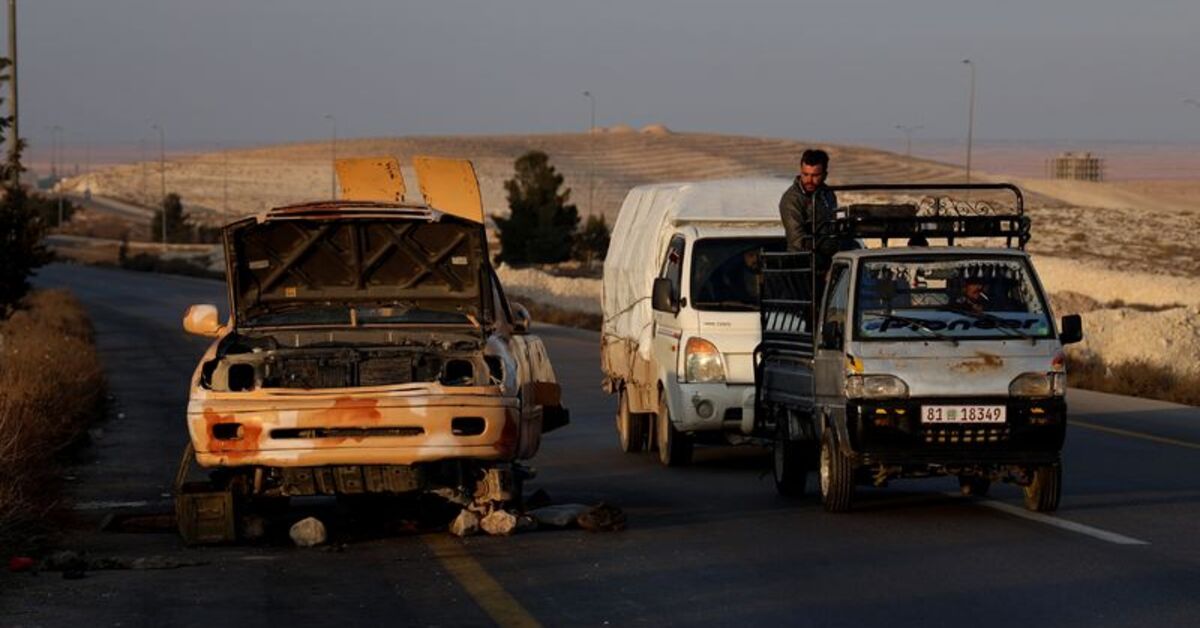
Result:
[1000,322]
[740,305]
[919,324]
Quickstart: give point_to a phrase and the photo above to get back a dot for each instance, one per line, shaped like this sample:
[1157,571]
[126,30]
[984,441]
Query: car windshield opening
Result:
[724,272]
[960,298]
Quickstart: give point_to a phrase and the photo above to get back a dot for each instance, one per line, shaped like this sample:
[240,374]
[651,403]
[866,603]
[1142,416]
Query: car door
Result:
[668,327]
[829,361]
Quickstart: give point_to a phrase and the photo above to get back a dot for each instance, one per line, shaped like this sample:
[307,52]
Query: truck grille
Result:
[966,435]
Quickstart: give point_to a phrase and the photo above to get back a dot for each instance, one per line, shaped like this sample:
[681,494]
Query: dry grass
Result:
[51,388]
[1137,379]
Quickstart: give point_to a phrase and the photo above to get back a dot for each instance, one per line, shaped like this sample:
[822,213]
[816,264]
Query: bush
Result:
[51,388]
[591,243]
[1138,378]
[541,225]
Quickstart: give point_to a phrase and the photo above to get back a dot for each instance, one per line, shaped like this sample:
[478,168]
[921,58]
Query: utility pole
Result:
[591,151]
[970,117]
[142,159]
[55,164]
[225,179]
[162,178]
[15,139]
[908,131]
[332,158]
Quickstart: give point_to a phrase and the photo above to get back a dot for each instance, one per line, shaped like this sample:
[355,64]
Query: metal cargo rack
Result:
[933,216]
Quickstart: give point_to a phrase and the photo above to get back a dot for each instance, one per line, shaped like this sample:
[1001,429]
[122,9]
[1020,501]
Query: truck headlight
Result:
[1038,385]
[875,387]
[702,362]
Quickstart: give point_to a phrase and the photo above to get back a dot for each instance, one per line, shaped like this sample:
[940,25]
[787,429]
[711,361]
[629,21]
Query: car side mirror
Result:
[1072,329]
[831,335]
[522,321]
[663,296]
[202,320]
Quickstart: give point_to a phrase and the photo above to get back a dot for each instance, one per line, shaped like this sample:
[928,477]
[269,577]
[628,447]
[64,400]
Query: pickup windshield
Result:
[724,272]
[955,298]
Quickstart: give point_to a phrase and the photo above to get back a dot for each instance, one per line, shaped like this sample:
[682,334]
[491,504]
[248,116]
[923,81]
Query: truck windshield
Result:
[724,272]
[957,298]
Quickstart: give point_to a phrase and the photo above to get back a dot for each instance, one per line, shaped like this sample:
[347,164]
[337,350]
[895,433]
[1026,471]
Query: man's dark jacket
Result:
[796,211]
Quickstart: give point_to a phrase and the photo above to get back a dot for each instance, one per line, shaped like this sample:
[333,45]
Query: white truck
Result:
[680,303]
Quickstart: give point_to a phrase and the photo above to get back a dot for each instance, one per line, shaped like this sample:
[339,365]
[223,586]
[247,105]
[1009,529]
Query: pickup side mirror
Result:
[663,297]
[202,320]
[831,335]
[522,321]
[1072,329]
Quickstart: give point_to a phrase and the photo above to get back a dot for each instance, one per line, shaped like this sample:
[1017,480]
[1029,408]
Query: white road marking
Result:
[1062,524]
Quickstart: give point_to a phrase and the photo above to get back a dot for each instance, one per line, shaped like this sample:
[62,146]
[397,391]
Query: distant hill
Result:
[265,177]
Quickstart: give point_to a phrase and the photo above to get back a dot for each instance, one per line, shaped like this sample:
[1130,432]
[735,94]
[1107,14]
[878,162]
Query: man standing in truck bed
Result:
[807,194]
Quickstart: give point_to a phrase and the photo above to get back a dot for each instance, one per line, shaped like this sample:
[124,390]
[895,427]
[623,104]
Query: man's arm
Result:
[794,224]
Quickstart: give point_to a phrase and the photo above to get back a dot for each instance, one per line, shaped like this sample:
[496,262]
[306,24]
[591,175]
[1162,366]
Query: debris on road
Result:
[603,518]
[559,516]
[465,524]
[308,532]
[74,565]
[499,523]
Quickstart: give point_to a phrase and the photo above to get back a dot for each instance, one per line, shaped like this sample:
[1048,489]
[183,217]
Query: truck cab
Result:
[923,360]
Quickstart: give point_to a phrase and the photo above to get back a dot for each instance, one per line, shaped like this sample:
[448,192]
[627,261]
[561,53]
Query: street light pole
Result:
[332,158]
[162,177]
[15,139]
[591,150]
[970,117]
[908,131]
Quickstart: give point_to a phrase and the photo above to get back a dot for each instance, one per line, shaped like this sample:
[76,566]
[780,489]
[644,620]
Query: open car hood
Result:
[334,265]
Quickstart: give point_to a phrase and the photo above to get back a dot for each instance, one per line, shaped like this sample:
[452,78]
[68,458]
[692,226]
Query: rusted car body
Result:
[369,348]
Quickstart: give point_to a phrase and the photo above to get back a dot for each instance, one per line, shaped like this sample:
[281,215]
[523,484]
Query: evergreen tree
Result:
[178,229]
[21,230]
[541,225]
[591,243]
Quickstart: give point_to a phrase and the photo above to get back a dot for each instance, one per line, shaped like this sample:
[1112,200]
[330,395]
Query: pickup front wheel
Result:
[1045,488]
[674,447]
[837,476]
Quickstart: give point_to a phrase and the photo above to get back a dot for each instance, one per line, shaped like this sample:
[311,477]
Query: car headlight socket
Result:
[702,362]
[1037,385]
[875,387]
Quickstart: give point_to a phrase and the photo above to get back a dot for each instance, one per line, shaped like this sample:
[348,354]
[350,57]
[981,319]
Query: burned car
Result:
[369,349]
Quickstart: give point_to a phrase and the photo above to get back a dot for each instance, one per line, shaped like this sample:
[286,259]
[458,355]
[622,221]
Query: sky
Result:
[255,71]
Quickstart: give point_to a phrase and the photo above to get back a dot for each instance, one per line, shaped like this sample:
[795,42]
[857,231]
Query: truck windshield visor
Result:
[964,298]
[724,272]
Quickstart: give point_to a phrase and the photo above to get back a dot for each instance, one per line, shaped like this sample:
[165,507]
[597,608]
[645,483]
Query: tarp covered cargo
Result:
[641,234]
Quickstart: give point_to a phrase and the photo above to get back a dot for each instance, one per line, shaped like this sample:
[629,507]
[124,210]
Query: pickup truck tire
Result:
[1045,489]
[836,475]
[631,427]
[790,462]
[674,447]
[973,485]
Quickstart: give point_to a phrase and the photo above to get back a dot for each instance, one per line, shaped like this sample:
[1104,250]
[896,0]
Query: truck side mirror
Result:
[522,320]
[663,296]
[831,335]
[1072,329]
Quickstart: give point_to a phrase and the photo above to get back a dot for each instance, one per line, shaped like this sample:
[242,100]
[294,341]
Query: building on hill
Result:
[1075,167]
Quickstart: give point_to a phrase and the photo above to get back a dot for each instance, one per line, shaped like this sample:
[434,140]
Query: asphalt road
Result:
[708,544]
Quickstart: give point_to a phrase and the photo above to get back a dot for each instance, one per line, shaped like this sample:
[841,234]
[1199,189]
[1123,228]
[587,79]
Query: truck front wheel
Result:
[837,476]
[674,447]
[790,464]
[631,427]
[1045,488]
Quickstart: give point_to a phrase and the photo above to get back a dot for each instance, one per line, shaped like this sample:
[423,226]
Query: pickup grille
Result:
[966,435]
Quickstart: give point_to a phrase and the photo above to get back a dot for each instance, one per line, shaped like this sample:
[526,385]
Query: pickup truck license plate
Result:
[962,414]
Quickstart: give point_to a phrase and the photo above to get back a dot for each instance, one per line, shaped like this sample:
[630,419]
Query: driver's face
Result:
[973,291]
[811,177]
